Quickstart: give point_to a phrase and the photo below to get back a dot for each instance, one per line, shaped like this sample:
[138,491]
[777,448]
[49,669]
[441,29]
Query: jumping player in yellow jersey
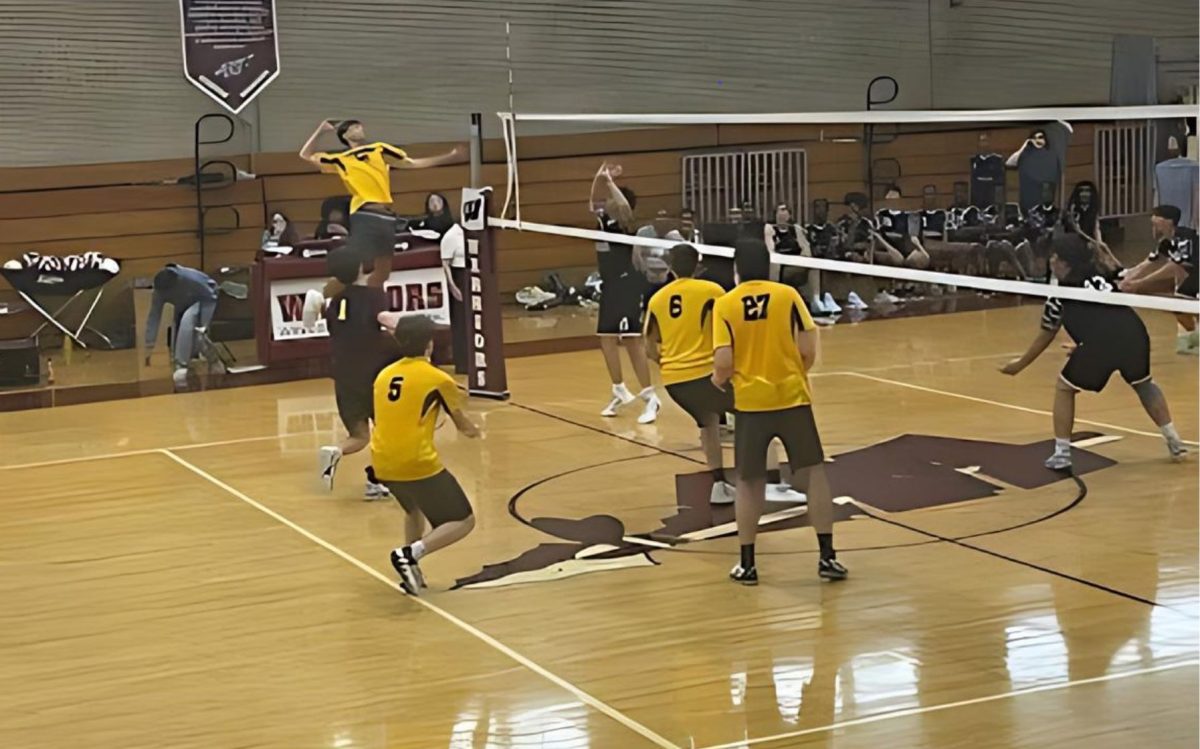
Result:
[365,170]
[409,396]
[679,316]
[765,342]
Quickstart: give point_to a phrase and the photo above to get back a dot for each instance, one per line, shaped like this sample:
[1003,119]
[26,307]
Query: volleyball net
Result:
[960,199]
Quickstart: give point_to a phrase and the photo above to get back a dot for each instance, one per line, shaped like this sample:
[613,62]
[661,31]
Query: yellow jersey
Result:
[682,312]
[409,396]
[364,172]
[759,319]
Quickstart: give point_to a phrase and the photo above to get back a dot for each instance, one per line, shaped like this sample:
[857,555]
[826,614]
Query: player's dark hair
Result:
[630,196]
[752,259]
[684,260]
[1169,212]
[342,127]
[1075,251]
[413,334]
[857,199]
[344,265]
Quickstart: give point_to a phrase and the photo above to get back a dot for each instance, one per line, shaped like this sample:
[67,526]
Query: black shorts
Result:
[355,402]
[1090,366]
[372,234]
[621,305]
[439,498]
[795,428]
[702,400]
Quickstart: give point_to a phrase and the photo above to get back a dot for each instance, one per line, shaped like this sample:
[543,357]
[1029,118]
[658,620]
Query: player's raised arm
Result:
[308,150]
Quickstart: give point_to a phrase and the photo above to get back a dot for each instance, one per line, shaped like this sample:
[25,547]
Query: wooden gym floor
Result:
[174,577]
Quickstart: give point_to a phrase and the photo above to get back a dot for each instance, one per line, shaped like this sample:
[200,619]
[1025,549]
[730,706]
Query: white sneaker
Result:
[314,307]
[854,301]
[885,298]
[723,493]
[1059,461]
[331,455]
[621,397]
[179,378]
[817,307]
[653,405]
[1178,450]
[830,304]
[374,492]
[785,493]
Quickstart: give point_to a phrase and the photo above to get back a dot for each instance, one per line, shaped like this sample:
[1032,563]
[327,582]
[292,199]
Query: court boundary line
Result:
[908,712]
[584,697]
[1001,404]
[152,450]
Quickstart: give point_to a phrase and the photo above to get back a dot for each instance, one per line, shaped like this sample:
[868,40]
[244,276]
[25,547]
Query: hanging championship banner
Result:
[230,48]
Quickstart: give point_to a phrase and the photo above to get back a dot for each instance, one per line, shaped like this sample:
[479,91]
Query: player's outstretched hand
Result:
[1012,368]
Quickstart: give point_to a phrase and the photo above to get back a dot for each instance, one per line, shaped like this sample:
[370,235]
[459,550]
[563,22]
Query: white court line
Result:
[153,450]
[487,639]
[1001,404]
[950,705]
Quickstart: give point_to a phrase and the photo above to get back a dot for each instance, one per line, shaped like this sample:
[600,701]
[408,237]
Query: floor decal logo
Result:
[905,473]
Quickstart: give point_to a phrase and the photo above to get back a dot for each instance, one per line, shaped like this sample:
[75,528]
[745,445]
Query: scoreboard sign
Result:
[230,48]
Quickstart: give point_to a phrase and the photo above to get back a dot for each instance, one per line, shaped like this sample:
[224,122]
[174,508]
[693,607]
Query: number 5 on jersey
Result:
[755,307]
[394,388]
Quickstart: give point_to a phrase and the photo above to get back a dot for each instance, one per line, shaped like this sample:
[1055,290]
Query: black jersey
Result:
[1180,248]
[787,241]
[856,231]
[1042,217]
[987,174]
[359,345]
[821,238]
[933,223]
[1091,323]
[892,222]
[613,259]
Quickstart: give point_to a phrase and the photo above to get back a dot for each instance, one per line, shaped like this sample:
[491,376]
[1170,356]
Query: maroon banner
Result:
[230,48]
[486,373]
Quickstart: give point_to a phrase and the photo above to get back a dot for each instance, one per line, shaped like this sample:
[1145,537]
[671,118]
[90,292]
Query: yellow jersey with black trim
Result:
[410,396]
[364,171]
[759,319]
[682,313]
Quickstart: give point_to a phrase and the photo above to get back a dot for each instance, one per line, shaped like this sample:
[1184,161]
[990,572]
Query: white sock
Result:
[417,549]
[647,393]
[1168,431]
[1062,446]
[619,388]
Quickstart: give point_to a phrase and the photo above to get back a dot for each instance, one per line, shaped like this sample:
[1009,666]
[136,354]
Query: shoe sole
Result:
[833,577]
[747,583]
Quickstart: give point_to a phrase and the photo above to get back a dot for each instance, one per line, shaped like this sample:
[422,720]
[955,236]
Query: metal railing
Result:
[1124,163]
[715,183]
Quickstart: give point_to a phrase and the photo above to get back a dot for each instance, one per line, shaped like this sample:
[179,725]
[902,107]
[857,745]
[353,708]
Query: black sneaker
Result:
[410,575]
[743,575]
[832,569]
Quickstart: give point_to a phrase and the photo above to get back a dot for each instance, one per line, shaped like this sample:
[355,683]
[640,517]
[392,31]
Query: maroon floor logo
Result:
[906,473]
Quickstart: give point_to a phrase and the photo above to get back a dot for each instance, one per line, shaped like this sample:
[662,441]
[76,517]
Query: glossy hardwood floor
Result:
[175,577]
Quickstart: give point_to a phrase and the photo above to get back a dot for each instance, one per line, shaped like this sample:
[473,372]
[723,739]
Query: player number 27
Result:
[755,307]
[394,388]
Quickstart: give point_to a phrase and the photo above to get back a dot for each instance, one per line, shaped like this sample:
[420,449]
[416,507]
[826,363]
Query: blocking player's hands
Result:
[466,427]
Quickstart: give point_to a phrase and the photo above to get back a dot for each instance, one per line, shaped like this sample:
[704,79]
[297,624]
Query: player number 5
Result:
[394,388]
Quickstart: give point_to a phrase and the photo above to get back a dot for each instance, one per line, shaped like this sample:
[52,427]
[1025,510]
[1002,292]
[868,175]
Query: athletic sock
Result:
[371,475]
[1062,446]
[1168,432]
[647,393]
[718,475]
[747,556]
[825,541]
[416,550]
